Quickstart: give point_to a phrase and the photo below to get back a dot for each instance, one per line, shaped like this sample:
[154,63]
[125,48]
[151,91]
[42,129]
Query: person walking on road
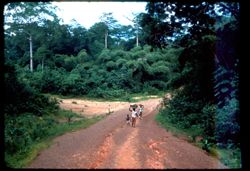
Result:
[133,115]
[141,107]
[128,119]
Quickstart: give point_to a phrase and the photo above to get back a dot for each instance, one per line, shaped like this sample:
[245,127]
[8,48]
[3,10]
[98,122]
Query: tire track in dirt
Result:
[156,160]
[127,156]
[124,153]
[102,152]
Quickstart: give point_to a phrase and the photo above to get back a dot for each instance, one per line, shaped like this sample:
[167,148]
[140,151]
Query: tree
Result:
[26,17]
[78,39]
[41,54]
[226,77]
[209,70]
[95,42]
[110,23]
[136,26]
[122,37]
[165,20]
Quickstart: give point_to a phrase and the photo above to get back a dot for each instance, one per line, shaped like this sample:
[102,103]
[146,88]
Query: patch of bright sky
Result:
[88,13]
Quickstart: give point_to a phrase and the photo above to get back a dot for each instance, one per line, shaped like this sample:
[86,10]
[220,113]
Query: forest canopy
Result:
[190,49]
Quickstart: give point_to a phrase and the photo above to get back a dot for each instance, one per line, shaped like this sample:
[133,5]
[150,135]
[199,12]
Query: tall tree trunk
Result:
[31,55]
[106,39]
[137,40]
[137,35]
[42,64]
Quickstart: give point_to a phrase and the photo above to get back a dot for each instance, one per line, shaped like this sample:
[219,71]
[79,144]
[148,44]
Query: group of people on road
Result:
[136,112]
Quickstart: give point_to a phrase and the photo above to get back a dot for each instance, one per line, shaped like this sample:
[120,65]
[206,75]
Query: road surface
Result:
[112,144]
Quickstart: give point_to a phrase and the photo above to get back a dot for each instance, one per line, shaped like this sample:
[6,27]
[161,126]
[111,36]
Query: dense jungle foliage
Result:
[188,49]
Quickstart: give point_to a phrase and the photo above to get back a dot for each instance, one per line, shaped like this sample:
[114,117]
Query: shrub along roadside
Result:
[229,156]
[27,134]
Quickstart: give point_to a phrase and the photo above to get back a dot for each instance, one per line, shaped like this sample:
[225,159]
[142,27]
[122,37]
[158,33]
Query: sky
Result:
[88,13]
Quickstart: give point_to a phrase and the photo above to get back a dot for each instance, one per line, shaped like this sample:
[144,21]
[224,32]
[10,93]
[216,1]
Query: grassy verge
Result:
[189,134]
[139,97]
[20,160]
[47,127]
[230,157]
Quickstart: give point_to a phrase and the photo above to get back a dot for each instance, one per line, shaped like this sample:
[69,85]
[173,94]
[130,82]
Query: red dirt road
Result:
[113,144]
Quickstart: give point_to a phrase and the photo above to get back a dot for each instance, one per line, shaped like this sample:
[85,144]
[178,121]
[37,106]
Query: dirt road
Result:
[111,143]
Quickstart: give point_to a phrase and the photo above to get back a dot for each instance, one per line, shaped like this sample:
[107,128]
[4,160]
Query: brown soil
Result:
[111,143]
[92,108]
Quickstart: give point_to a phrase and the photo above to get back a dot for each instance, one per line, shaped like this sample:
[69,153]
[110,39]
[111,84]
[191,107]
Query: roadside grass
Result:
[20,160]
[23,158]
[178,132]
[230,157]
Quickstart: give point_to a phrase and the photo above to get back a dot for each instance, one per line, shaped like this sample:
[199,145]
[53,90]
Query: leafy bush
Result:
[208,117]
[150,89]
[137,71]
[192,115]
[107,93]
[227,125]
[20,97]
[24,134]
[21,131]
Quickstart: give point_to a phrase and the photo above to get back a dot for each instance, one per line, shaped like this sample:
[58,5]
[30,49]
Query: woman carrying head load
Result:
[133,115]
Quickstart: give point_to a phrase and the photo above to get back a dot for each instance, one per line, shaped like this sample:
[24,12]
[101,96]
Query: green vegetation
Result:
[193,54]
[176,130]
[135,97]
[230,156]
[205,99]
[125,76]
[27,134]
[32,120]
